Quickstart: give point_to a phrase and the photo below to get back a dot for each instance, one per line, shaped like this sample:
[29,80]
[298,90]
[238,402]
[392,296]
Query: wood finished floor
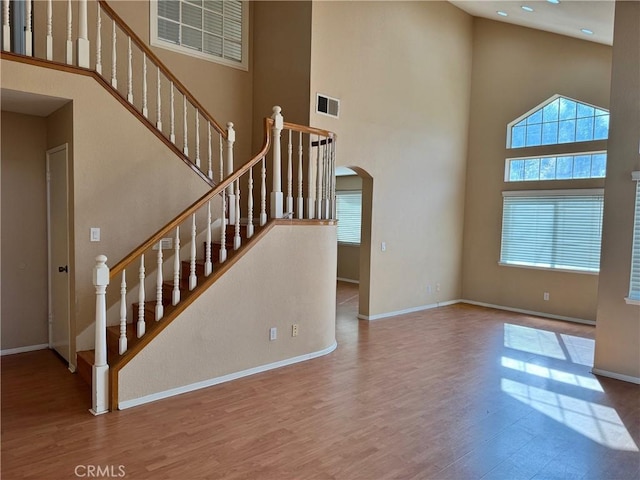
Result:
[458,392]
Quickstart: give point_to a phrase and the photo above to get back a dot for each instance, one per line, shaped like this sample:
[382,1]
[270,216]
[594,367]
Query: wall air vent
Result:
[327,105]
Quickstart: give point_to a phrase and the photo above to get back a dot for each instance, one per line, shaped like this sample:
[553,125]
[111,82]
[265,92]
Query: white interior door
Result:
[58,233]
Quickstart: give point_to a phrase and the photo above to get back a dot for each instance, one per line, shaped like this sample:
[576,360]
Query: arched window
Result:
[555,229]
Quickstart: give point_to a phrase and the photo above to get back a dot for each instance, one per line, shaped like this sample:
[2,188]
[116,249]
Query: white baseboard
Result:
[531,312]
[380,316]
[616,376]
[29,348]
[348,280]
[225,378]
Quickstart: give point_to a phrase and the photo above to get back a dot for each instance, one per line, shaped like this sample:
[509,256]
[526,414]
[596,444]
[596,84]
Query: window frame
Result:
[633,298]
[548,193]
[507,166]
[155,41]
[349,192]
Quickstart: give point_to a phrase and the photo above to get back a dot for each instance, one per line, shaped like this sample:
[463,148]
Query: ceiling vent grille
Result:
[327,105]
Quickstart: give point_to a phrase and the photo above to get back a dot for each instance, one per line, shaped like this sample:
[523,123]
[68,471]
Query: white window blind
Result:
[634,288]
[555,229]
[348,210]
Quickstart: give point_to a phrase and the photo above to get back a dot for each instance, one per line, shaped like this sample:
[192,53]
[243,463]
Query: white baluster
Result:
[98,42]
[197,138]
[325,175]
[311,210]
[237,240]
[223,232]
[172,116]
[318,183]
[250,205]
[185,138]
[122,341]
[159,280]
[193,280]
[175,297]
[300,197]
[333,178]
[209,152]
[69,32]
[50,30]
[231,138]
[100,370]
[28,33]
[114,59]
[263,192]
[141,325]
[158,103]
[145,110]
[129,72]
[276,192]
[208,265]
[289,178]
[221,158]
[82,43]
[6,27]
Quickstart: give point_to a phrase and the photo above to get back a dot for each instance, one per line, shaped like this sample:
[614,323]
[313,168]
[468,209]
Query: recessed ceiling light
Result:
[526,8]
[501,13]
[555,2]
[586,31]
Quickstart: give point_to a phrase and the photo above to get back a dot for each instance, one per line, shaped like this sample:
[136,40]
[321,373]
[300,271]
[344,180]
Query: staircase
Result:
[156,282]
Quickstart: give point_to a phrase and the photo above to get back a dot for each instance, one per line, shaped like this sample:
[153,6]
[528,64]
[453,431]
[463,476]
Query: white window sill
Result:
[631,301]
[548,269]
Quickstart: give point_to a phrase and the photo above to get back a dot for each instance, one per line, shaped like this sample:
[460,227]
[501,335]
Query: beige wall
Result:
[125,180]
[402,72]
[349,255]
[24,227]
[618,324]
[515,69]
[226,330]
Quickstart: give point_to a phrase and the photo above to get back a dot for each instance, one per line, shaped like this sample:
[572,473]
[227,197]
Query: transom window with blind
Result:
[349,214]
[634,283]
[215,30]
[555,229]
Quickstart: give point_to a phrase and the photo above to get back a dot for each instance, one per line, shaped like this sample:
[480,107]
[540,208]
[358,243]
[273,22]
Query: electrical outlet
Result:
[294,330]
[273,333]
[383,246]
[545,295]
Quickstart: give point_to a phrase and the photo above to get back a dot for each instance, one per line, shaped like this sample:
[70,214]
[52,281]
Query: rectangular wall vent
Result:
[167,244]
[327,105]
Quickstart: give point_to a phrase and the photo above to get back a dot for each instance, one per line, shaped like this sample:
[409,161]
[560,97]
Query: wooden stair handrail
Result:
[122,264]
[166,72]
[63,67]
[310,130]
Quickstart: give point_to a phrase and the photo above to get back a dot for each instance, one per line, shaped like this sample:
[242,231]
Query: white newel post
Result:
[277,206]
[100,397]
[6,27]
[231,197]
[82,44]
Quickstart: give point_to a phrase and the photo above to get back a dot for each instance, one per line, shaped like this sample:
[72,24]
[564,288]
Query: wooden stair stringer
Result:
[187,300]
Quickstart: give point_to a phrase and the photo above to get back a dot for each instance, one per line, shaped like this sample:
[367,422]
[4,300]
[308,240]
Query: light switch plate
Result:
[95,234]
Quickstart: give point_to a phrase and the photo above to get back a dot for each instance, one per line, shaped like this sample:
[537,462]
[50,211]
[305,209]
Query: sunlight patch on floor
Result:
[552,374]
[600,423]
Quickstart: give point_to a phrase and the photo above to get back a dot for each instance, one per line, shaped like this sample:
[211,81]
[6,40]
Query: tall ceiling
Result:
[568,17]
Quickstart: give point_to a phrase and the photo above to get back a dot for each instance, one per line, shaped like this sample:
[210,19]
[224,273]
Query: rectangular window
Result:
[563,167]
[210,29]
[552,229]
[634,287]
[348,210]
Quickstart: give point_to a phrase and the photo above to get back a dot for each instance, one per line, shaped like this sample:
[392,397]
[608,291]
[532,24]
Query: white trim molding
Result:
[348,280]
[420,308]
[616,376]
[225,378]
[531,312]
[28,348]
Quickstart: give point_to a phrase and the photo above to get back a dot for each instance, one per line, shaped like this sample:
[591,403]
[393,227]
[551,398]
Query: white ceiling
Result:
[566,18]
[30,103]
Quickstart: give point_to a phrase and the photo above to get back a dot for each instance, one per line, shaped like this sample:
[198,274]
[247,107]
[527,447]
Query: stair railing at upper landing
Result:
[307,167]
[106,45]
